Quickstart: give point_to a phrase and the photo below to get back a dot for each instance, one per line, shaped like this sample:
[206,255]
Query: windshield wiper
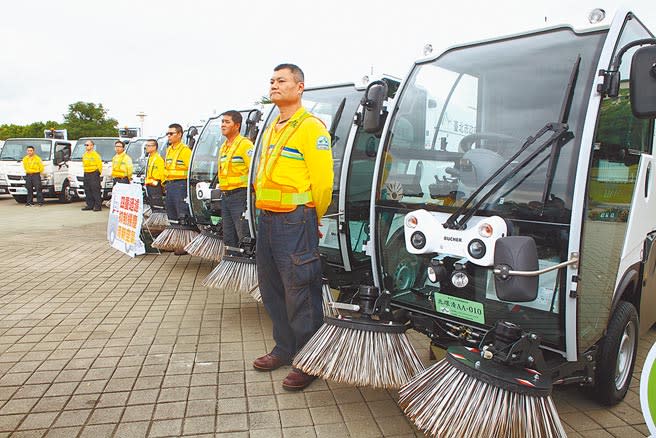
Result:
[336,119]
[561,135]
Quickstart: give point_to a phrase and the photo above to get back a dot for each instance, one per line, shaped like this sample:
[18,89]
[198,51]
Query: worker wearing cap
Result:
[234,160]
[92,165]
[176,169]
[33,169]
[154,175]
[121,164]
[293,190]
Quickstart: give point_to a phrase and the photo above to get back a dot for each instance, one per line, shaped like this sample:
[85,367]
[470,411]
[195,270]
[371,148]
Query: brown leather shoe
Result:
[297,380]
[269,362]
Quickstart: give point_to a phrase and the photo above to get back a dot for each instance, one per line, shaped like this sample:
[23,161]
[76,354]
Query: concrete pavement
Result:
[94,343]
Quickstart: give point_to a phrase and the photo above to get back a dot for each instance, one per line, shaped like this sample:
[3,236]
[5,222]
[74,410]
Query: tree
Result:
[34,130]
[86,119]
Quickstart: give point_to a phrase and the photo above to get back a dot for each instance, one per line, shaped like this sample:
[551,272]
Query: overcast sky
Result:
[183,61]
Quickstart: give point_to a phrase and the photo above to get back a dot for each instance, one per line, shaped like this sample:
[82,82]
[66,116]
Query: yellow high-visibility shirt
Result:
[306,161]
[122,166]
[91,161]
[176,165]
[155,170]
[234,161]
[33,164]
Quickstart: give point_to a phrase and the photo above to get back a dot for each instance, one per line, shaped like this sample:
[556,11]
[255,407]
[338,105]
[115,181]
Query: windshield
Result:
[459,119]
[135,149]
[463,115]
[104,146]
[15,150]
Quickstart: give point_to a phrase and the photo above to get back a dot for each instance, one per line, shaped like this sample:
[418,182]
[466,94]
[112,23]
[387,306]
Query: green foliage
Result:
[84,119]
[617,125]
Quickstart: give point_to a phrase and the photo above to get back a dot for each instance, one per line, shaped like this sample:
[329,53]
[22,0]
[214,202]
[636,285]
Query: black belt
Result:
[33,173]
[176,181]
[276,213]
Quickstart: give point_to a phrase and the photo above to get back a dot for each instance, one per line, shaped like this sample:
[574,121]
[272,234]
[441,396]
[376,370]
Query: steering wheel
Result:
[500,139]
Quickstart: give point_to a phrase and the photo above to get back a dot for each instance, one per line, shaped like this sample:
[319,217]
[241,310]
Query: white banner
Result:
[125,218]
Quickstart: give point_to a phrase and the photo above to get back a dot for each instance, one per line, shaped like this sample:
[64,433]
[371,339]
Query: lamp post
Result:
[141,115]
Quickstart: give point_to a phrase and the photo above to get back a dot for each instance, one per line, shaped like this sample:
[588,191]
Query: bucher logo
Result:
[453,239]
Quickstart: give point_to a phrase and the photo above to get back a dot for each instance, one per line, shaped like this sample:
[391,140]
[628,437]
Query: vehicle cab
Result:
[54,153]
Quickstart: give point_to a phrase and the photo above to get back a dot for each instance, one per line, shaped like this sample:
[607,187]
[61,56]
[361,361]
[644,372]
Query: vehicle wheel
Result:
[65,194]
[21,199]
[616,355]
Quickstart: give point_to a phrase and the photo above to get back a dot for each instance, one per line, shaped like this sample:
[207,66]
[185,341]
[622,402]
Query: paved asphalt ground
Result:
[96,344]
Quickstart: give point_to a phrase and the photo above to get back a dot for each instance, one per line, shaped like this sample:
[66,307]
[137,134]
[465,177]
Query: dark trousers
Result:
[122,180]
[93,197]
[289,274]
[33,184]
[176,207]
[233,206]
[155,196]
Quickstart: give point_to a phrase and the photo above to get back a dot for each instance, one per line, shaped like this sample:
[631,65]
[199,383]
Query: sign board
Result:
[125,219]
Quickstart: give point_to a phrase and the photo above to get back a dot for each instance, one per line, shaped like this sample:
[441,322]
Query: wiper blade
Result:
[564,118]
[335,123]
[561,135]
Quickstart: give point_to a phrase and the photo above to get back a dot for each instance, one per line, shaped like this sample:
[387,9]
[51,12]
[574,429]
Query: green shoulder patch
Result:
[323,144]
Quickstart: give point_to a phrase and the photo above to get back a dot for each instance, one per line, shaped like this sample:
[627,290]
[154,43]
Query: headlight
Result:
[418,240]
[411,221]
[485,230]
[476,249]
[3,176]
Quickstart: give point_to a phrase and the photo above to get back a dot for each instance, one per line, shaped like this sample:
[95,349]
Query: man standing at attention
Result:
[234,160]
[33,168]
[154,175]
[93,166]
[121,164]
[176,168]
[293,191]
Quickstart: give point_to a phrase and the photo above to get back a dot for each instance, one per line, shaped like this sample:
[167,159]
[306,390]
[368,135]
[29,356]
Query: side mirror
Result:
[251,124]
[372,103]
[643,83]
[516,253]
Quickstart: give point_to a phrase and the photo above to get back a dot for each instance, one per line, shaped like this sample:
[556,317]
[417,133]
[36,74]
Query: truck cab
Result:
[75,178]
[54,153]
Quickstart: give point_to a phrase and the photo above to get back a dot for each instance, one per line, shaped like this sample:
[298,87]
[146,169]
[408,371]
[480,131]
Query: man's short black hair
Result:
[153,140]
[30,147]
[119,142]
[235,116]
[90,141]
[295,69]
[177,127]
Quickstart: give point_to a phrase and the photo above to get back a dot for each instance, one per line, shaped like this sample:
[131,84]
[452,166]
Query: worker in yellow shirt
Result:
[121,164]
[93,166]
[33,169]
[154,176]
[176,169]
[293,190]
[234,160]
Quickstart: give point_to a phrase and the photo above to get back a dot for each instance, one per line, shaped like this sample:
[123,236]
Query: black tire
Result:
[65,194]
[21,199]
[613,376]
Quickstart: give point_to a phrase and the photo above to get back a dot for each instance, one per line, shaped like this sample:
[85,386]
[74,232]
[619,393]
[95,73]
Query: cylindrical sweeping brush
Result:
[207,245]
[237,271]
[157,221]
[361,351]
[468,394]
[255,293]
[175,237]
[234,273]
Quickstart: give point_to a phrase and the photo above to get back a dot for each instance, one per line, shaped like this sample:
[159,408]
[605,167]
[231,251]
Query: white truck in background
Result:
[54,153]
[75,178]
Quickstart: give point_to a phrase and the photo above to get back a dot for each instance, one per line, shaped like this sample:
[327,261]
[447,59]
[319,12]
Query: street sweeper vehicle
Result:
[511,222]
[204,195]
[54,153]
[75,183]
